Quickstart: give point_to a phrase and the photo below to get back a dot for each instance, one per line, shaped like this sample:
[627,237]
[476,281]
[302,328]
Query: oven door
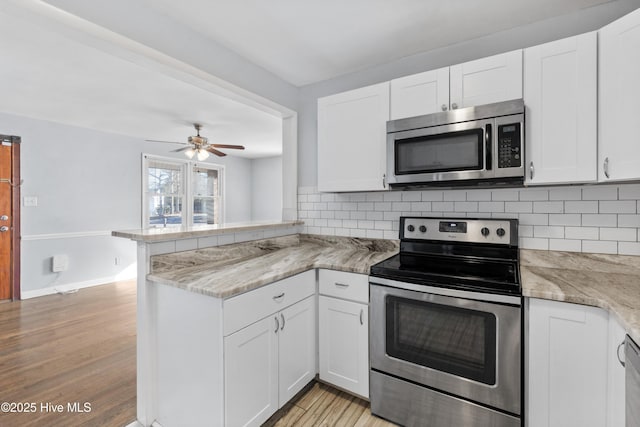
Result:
[465,347]
[452,152]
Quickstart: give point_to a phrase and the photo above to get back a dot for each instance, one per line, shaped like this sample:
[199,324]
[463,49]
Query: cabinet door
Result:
[567,365]
[297,348]
[251,374]
[418,94]
[486,80]
[344,344]
[616,374]
[560,92]
[619,109]
[352,133]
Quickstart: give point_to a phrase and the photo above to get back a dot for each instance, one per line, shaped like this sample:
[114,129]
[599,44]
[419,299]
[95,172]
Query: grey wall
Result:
[266,189]
[89,183]
[552,29]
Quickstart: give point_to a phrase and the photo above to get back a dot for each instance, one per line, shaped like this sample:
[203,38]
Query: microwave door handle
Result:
[488,146]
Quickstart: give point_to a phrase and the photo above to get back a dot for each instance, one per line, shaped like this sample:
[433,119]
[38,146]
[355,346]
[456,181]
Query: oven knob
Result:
[500,232]
[411,228]
[423,229]
[484,231]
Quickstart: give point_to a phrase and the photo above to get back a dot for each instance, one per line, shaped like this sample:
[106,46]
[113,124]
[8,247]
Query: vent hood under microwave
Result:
[468,146]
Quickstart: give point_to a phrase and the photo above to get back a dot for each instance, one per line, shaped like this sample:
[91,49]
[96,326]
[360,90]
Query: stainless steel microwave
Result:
[467,146]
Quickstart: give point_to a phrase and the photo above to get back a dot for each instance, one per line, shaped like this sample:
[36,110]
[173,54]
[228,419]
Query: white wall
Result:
[593,218]
[266,189]
[88,183]
[530,35]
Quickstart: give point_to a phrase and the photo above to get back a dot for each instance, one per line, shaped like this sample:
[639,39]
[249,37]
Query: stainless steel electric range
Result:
[446,325]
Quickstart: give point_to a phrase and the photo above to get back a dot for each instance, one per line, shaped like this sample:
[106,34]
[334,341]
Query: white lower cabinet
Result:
[567,365]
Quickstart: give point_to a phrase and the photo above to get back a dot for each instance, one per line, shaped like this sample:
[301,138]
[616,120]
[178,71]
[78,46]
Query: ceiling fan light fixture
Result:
[190,152]
[202,154]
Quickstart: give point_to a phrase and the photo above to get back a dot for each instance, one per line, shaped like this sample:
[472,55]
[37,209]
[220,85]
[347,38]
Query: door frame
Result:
[14,275]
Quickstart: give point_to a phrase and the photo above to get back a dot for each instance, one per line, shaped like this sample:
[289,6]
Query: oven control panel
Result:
[496,231]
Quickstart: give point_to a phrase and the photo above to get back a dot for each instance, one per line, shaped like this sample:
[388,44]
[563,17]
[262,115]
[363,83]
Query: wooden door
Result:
[9,217]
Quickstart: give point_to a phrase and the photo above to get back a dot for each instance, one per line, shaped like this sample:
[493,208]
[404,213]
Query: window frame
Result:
[187,170]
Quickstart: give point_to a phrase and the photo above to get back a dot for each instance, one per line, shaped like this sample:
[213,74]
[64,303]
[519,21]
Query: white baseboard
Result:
[70,287]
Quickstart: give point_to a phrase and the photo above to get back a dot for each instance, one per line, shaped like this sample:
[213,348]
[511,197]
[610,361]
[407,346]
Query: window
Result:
[174,197]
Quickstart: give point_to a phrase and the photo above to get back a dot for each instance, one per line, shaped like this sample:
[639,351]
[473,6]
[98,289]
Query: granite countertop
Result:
[160,234]
[611,282]
[225,271]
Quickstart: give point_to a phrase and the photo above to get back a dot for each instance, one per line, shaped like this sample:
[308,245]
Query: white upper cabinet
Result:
[486,80]
[352,133]
[560,94]
[418,94]
[619,106]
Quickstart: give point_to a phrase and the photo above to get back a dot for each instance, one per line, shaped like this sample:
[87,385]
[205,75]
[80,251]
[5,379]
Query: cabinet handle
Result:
[277,297]
[277,325]
[618,354]
[488,144]
[444,107]
[605,166]
[384,180]
[282,317]
[342,285]
[361,314]
[454,106]
[531,170]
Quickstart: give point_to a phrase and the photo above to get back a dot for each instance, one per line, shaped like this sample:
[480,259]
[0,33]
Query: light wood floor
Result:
[82,348]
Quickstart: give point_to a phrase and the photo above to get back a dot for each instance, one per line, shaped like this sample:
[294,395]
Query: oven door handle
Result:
[488,146]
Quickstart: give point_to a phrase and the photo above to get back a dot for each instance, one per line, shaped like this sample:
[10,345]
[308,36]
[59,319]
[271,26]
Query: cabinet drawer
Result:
[247,308]
[340,284]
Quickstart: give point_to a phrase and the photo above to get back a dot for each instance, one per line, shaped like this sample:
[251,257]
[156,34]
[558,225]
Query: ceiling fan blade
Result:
[214,151]
[181,149]
[235,147]
[165,142]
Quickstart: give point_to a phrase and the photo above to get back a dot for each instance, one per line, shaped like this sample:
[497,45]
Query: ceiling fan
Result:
[199,146]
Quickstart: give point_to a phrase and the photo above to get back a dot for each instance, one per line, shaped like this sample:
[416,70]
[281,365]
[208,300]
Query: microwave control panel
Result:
[509,146]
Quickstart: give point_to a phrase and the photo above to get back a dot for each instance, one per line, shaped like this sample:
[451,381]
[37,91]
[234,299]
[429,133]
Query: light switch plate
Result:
[30,201]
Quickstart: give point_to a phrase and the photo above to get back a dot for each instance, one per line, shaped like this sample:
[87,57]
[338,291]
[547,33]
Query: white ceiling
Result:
[51,75]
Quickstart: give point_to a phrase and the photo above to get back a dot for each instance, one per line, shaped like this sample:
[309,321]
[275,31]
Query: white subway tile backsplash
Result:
[618,207]
[599,247]
[603,219]
[465,206]
[548,207]
[554,232]
[534,195]
[583,233]
[565,219]
[479,196]
[565,245]
[226,239]
[534,243]
[581,207]
[600,220]
[518,207]
[619,234]
[565,193]
[411,196]
[505,195]
[629,192]
[629,221]
[628,248]
[600,193]
[432,196]
[188,244]
[491,206]
[455,195]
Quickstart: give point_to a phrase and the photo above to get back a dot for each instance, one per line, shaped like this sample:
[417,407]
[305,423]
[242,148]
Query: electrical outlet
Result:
[59,263]
[30,201]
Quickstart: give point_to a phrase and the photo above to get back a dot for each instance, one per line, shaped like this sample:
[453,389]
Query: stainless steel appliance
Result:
[473,145]
[632,383]
[446,325]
